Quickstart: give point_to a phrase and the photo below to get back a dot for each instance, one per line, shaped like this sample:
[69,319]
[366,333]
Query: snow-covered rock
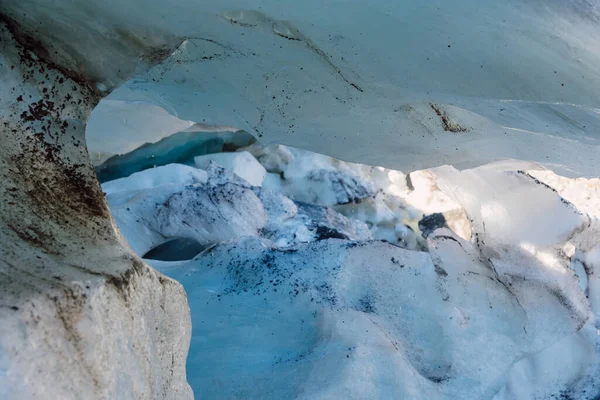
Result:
[177,204]
[241,163]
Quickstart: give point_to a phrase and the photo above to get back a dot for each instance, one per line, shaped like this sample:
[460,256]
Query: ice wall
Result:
[81,315]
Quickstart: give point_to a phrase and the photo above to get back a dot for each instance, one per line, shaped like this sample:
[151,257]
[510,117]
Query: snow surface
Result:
[337,319]
[321,283]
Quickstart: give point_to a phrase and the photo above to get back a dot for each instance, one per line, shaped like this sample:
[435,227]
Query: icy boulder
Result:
[581,192]
[179,202]
[219,209]
[312,177]
[535,238]
[242,164]
[509,206]
[510,210]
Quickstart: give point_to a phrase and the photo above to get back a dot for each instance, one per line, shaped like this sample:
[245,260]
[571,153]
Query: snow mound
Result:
[340,319]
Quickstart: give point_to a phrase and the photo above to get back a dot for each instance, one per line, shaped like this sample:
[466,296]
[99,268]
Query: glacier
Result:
[273,199]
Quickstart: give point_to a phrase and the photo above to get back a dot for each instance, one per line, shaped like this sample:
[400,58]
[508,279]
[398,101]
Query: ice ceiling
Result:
[402,84]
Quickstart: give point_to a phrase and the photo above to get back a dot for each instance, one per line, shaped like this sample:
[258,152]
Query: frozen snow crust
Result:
[337,280]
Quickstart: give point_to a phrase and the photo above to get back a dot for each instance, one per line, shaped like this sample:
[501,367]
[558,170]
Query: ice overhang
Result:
[405,85]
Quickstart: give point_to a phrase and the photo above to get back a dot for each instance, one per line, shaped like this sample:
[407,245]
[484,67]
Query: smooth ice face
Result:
[180,148]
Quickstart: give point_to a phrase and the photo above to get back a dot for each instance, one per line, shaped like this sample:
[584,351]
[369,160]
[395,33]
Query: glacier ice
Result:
[525,89]
[340,319]
[515,93]
[81,315]
[221,207]
[474,281]
[180,148]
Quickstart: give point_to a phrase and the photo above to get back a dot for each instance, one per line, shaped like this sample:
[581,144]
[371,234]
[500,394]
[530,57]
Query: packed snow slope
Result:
[403,84]
[314,278]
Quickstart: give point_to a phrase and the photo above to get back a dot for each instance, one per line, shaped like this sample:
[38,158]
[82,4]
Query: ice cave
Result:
[275,200]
